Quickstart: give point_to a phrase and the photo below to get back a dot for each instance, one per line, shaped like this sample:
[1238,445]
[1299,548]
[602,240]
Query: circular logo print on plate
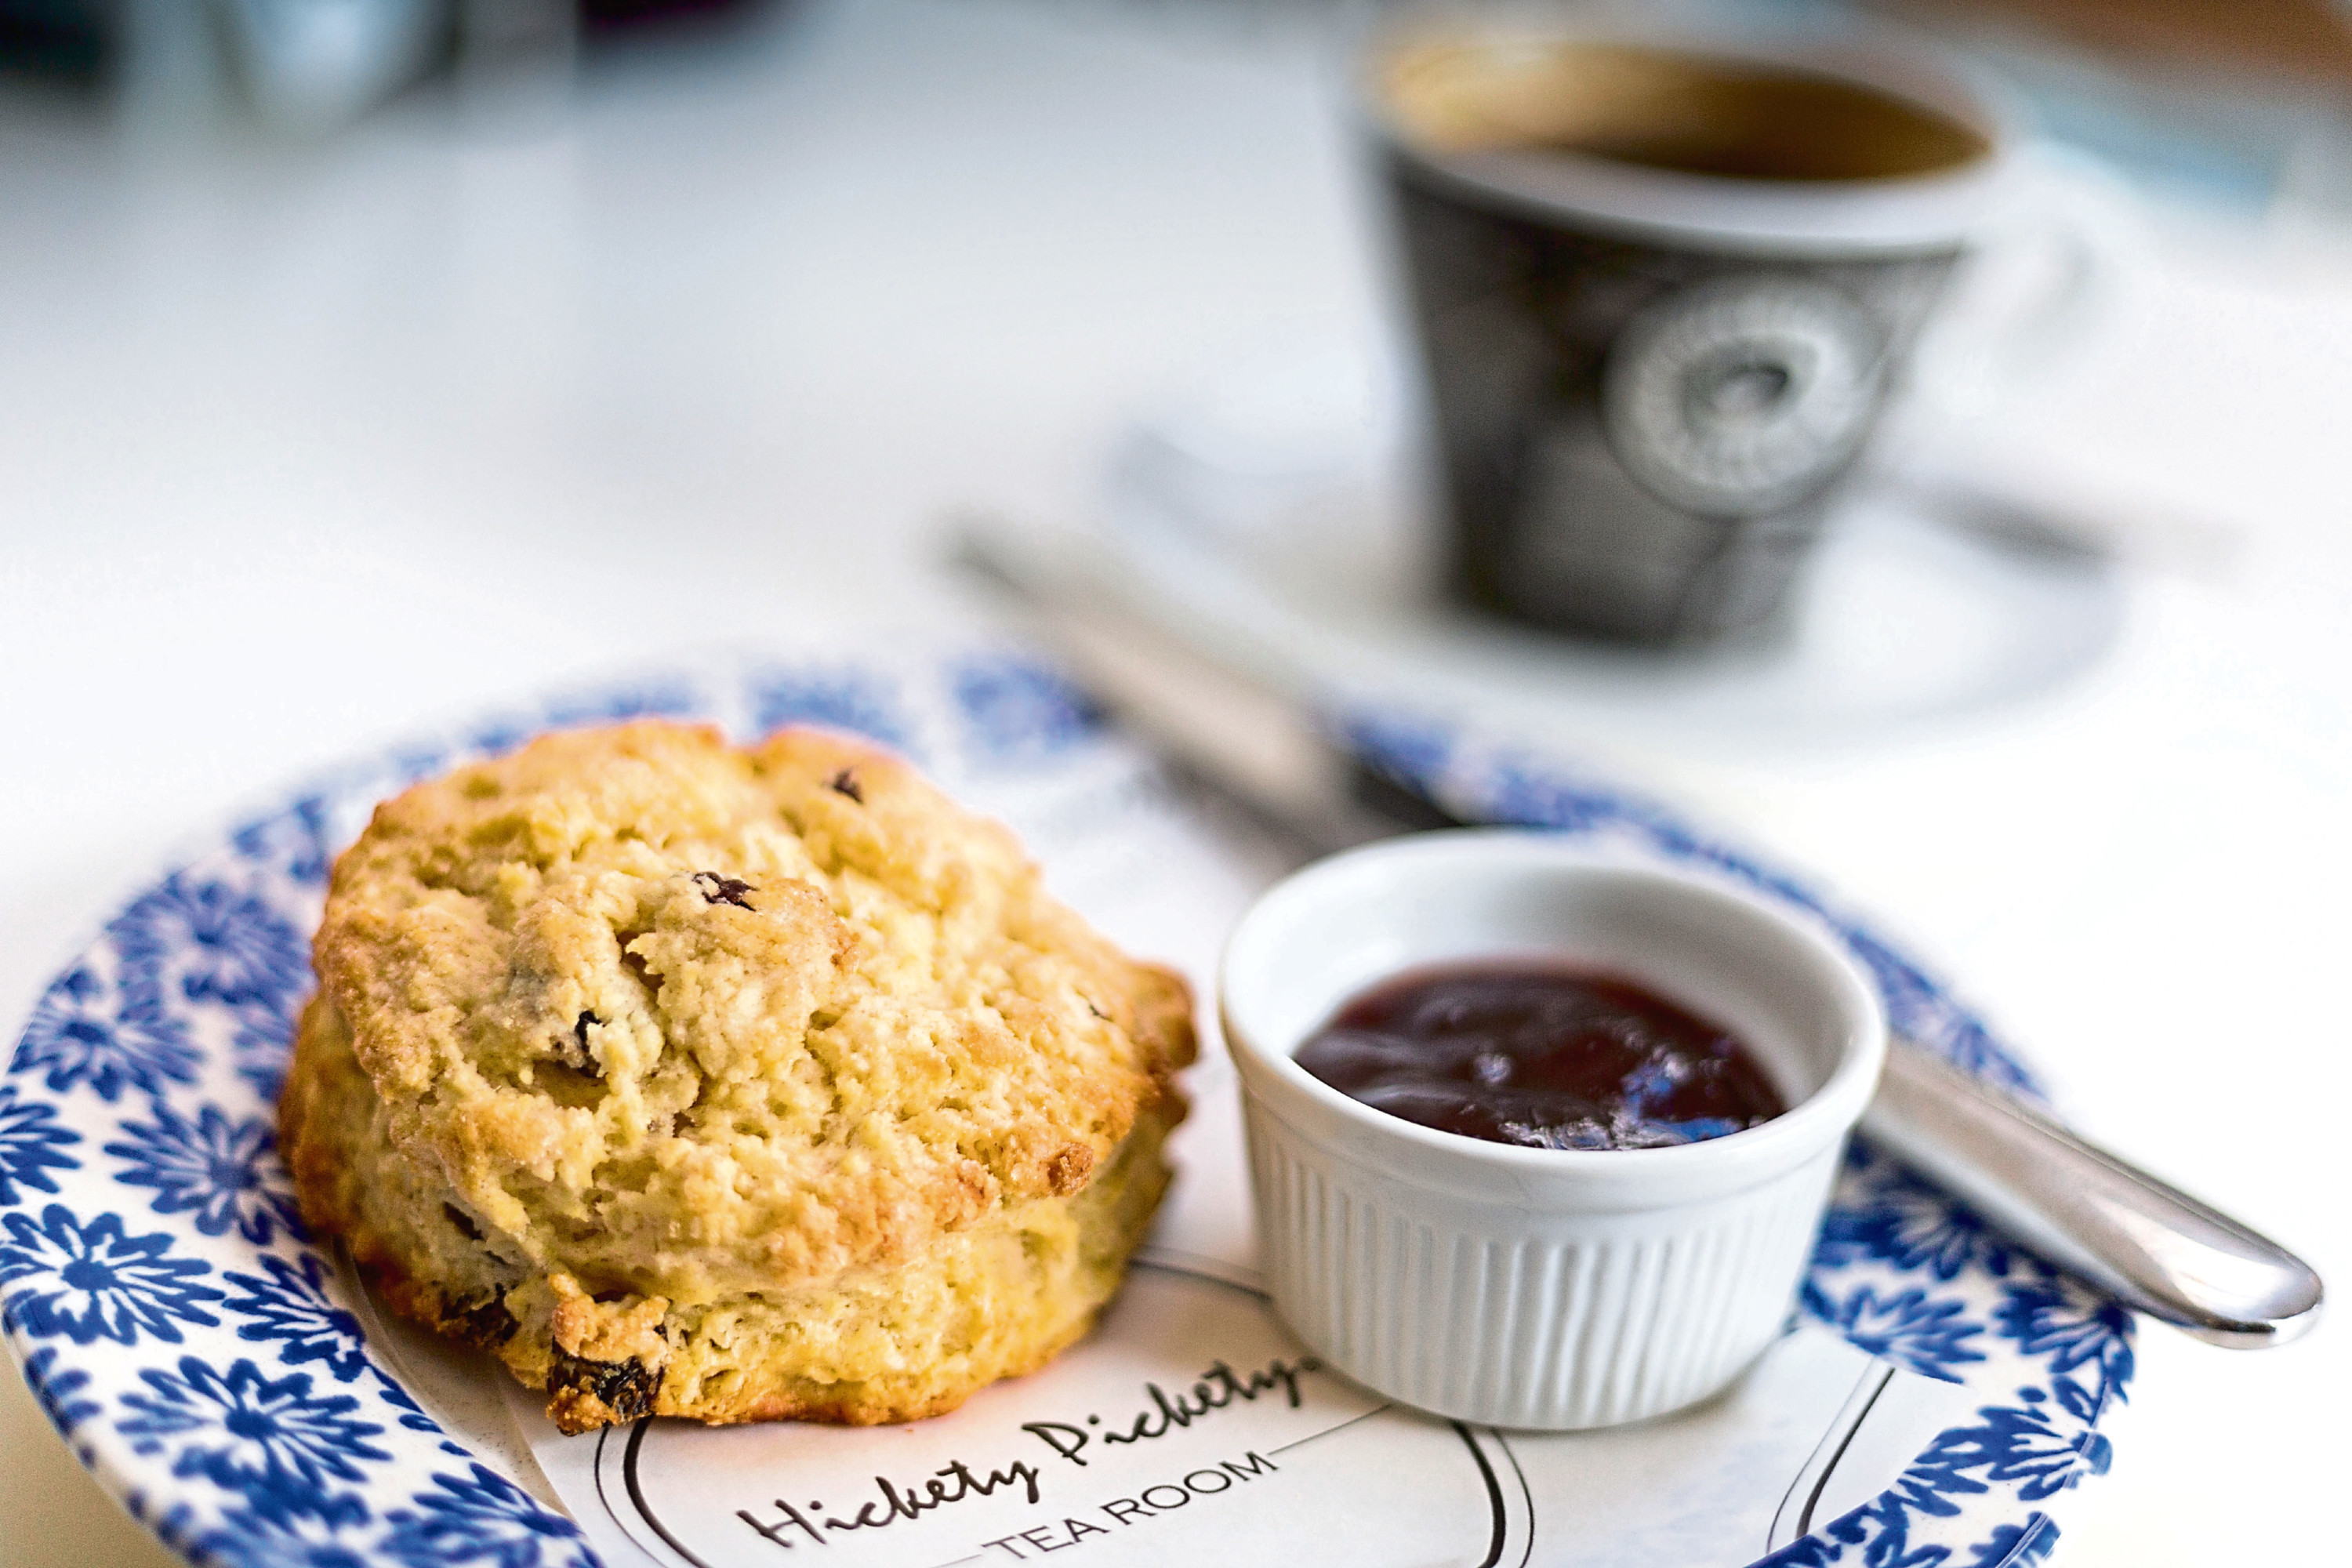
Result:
[1742,396]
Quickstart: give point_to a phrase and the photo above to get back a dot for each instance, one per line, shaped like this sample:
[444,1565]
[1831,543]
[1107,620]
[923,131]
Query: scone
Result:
[735,1084]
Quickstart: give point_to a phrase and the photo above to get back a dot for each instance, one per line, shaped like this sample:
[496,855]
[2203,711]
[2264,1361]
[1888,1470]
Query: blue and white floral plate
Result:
[208,1360]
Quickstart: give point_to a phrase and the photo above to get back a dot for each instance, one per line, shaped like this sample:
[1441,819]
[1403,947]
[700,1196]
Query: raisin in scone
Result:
[736,1084]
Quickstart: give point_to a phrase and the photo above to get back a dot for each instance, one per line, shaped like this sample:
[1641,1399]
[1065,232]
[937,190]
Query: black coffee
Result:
[1667,110]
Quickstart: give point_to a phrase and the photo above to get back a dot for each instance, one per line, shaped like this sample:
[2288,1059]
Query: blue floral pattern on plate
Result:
[179,1332]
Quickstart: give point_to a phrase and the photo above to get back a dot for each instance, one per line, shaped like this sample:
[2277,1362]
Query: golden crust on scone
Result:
[735,1084]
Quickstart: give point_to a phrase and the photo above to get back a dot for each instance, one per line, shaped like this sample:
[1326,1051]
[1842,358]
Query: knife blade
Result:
[2086,1210]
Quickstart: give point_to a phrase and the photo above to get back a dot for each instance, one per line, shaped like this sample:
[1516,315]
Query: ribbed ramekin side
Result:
[1565,1320]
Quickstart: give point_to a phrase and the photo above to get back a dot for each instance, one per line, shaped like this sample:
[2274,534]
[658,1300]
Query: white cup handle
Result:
[2050,262]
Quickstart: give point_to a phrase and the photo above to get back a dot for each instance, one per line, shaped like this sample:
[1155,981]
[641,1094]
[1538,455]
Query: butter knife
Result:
[2142,1241]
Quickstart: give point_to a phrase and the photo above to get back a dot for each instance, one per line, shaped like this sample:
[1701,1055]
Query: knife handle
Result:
[2150,1245]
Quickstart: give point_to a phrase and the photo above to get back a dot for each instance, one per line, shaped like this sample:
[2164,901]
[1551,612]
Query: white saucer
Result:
[1266,517]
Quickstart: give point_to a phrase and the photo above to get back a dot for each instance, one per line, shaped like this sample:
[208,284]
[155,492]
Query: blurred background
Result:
[362,361]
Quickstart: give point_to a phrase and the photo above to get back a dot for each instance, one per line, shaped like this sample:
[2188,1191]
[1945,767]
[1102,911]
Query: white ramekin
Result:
[1537,1288]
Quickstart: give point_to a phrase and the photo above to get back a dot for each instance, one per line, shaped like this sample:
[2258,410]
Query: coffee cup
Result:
[1663,288]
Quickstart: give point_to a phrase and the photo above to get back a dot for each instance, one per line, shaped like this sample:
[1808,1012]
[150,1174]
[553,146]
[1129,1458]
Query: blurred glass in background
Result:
[307,66]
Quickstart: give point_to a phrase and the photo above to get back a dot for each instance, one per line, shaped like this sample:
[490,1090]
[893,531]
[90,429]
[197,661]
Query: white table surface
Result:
[299,447]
